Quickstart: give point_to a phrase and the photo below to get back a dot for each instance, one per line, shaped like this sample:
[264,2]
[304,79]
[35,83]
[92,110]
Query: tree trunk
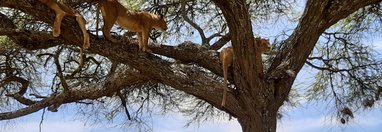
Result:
[259,121]
[256,97]
[253,125]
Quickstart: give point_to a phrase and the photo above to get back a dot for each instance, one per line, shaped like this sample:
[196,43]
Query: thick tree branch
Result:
[106,88]
[19,95]
[336,9]
[162,71]
[185,52]
[6,23]
[221,42]
[193,81]
[318,16]
[247,63]
[41,40]
[28,110]
[20,98]
[24,83]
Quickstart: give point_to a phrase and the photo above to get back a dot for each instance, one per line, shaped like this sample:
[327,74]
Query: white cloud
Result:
[368,122]
[300,125]
[56,126]
[377,44]
[174,122]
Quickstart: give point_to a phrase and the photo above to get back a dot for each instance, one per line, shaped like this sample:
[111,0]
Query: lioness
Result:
[61,10]
[140,22]
[226,57]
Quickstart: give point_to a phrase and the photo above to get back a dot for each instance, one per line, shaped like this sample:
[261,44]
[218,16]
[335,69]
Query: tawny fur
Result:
[61,10]
[226,57]
[140,22]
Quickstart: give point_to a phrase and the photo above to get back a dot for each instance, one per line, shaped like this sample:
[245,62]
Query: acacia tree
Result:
[174,73]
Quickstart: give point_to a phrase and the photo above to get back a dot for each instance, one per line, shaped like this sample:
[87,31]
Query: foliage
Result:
[348,69]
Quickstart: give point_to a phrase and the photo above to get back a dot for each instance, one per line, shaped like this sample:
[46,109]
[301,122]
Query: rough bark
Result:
[255,97]
[261,96]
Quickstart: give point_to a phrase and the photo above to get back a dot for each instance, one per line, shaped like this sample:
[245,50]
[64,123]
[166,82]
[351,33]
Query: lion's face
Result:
[161,24]
[265,47]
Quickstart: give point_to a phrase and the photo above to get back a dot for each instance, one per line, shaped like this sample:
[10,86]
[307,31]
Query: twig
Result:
[124,103]
[42,120]
[59,70]
[193,24]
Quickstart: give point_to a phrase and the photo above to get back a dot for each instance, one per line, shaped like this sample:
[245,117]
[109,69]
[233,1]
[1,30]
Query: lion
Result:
[136,21]
[61,10]
[226,57]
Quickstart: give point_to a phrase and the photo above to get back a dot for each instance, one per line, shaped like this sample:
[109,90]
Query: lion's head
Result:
[161,24]
[263,44]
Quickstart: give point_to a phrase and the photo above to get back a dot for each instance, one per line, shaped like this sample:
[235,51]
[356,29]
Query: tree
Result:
[194,69]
